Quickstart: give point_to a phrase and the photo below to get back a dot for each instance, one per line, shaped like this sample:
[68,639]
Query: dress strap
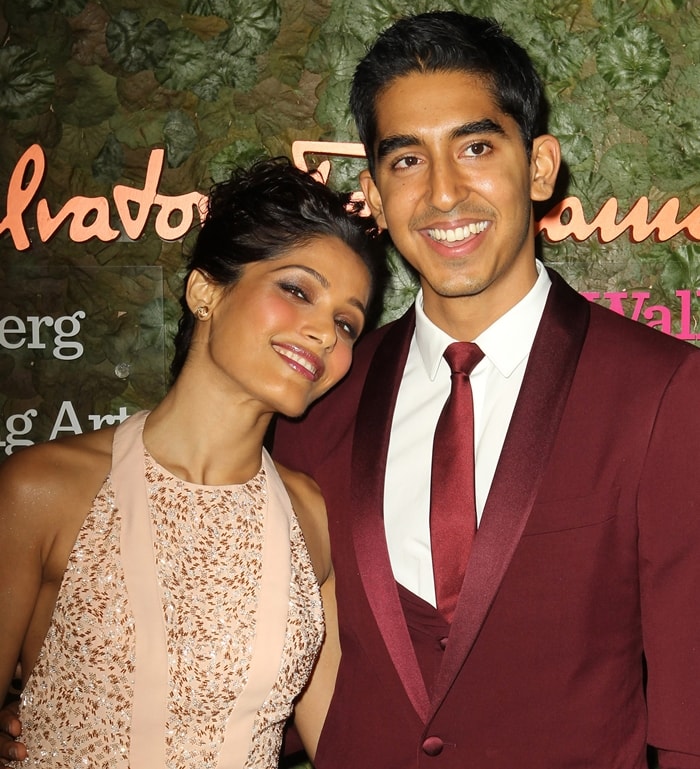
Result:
[270,620]
[150,705]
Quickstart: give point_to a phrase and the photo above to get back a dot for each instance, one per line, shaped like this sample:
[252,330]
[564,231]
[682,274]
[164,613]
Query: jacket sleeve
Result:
[669,558]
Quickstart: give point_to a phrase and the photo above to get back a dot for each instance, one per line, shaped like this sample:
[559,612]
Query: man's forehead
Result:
[465,84]
[428,101]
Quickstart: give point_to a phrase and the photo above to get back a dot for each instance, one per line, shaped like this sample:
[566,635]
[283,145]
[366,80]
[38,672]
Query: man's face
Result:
[453,185]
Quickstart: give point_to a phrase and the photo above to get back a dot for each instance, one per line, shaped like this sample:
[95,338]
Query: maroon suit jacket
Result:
[584,578]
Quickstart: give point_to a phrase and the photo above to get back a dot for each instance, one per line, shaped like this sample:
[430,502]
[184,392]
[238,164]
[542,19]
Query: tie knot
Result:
[463,356]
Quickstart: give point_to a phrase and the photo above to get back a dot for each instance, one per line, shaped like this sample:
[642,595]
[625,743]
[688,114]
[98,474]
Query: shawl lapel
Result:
[369,456]
[543,395]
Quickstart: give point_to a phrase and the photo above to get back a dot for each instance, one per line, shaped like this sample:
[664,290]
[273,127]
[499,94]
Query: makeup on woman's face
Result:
[285,332]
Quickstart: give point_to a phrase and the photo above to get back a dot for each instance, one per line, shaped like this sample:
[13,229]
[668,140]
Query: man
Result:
[585,569]
[575,638]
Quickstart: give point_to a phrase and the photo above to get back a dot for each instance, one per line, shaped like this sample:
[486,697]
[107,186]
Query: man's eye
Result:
[408,161]
[478,148]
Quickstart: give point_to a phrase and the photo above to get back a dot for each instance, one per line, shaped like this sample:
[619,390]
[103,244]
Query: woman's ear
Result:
[373,198]
[201,294]
[544,166]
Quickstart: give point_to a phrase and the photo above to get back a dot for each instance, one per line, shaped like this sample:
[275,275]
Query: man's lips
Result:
[301,360]
[456,235]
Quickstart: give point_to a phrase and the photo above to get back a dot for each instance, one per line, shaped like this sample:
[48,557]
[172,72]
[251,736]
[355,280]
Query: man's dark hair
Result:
[446,41]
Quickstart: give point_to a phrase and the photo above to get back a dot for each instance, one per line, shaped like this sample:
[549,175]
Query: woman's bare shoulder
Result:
[54,468]
[310,510]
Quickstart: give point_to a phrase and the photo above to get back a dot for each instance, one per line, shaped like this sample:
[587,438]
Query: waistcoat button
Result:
[432,746]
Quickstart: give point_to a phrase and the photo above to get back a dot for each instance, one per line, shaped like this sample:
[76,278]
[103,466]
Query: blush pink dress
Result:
[188,620]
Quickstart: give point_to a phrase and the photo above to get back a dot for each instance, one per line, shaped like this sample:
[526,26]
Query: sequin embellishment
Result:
[207,545]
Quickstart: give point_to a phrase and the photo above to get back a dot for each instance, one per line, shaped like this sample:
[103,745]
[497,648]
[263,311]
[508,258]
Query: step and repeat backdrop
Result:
[116,117]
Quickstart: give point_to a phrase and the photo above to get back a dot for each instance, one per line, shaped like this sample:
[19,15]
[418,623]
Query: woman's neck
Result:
[205,440]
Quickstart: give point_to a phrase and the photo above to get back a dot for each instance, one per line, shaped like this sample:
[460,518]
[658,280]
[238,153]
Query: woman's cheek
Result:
[344,360]
[278,311]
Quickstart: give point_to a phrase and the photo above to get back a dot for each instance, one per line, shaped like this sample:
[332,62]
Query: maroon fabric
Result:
[429,633]
[452,503]
[586,564]
[365,454]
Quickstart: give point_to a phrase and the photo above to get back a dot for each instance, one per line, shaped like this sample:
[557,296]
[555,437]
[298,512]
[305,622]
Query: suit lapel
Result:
[543,394]
[370,447]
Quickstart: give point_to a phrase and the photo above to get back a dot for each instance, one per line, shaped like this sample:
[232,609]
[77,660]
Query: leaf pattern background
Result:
[100,83]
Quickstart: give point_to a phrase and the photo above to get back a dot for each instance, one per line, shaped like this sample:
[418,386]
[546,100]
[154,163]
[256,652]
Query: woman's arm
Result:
[45,494]
[312,707]
[23,548]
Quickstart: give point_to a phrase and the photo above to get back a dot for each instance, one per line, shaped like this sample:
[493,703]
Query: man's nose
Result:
[447,184]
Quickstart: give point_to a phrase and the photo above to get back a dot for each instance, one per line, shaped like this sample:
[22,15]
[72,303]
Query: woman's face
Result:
[283,335]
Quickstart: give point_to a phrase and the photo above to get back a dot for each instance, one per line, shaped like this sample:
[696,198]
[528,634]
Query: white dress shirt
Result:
[424,389]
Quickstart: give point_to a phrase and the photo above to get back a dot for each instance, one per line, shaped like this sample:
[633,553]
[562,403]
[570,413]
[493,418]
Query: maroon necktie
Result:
[452,505]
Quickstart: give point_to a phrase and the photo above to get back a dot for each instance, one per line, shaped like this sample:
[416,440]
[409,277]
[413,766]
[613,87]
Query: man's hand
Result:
[10,728]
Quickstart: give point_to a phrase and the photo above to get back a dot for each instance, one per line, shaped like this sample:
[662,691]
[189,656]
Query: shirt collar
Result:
[505,343]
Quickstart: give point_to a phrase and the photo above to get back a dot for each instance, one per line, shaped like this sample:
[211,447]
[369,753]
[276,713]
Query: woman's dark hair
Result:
[263,212]
[447,41]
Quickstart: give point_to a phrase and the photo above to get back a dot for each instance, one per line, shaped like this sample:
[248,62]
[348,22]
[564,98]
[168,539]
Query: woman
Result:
[160,580]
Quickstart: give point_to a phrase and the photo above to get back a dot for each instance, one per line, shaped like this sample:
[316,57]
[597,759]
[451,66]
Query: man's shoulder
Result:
[369,343]
[609,332]
[364,354]
[630,338]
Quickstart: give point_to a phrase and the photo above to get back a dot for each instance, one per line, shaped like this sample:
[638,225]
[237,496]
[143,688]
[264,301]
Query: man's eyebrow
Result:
[485,126]
[400,141]
[393,143]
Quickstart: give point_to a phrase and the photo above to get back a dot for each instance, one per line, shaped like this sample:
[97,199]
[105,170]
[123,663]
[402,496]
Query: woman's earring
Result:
[202,312]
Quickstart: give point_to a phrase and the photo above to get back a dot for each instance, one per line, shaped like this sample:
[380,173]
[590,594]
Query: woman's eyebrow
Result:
[323,280]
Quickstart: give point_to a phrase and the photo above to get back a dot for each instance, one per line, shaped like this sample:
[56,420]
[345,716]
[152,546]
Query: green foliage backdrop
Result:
[219,82]
[98,84]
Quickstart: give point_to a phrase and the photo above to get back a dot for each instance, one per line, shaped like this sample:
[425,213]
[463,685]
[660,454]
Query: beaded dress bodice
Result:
[188,619]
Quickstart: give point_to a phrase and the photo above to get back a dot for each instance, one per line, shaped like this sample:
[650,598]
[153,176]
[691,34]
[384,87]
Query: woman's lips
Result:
[301,360]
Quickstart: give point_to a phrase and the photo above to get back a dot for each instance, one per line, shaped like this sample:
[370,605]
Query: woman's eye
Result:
[295,290]
[347,328]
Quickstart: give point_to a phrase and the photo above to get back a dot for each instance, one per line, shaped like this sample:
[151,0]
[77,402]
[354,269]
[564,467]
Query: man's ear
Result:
[373,198]
[544,166]
[201,292]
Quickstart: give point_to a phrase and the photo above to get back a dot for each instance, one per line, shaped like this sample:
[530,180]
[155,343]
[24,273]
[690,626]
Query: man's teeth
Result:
[459,233]
[300,359]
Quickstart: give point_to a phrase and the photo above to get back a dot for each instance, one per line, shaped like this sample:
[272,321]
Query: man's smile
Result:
[457,234]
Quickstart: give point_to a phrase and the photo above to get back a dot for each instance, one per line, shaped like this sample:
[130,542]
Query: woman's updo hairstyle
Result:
[261,213]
